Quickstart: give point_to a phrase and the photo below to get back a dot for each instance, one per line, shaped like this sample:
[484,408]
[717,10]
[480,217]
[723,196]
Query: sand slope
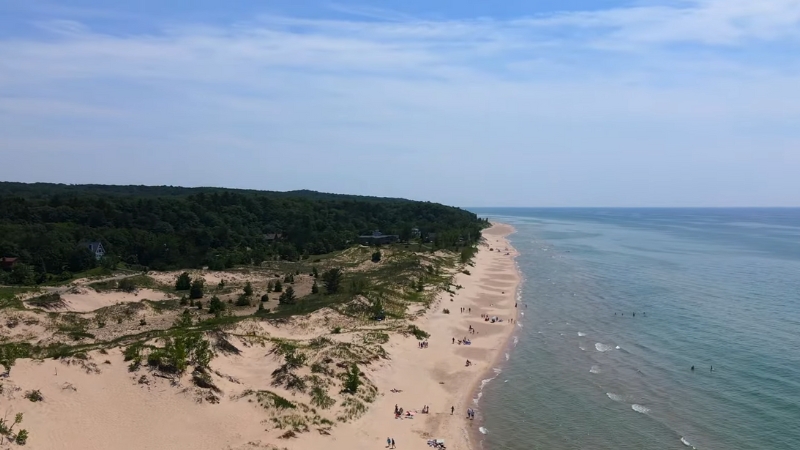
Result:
[113,410]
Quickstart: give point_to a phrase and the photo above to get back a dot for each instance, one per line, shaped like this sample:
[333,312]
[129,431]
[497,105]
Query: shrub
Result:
[215,305]
[336,330]
[278,286]
[243,300]
[376,257]
[466,272]
[446,311]
[22,437]
[352,380]
[34,396]
[264,298]
[126,285]
[418,333]
[248,289]
[320,398]
[315,288]
[142,322]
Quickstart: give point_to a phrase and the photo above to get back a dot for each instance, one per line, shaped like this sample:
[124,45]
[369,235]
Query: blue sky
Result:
[568,103]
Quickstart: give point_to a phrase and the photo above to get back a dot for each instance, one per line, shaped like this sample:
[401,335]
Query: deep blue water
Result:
[710,287]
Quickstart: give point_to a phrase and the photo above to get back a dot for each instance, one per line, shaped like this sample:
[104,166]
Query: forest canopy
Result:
[48,226]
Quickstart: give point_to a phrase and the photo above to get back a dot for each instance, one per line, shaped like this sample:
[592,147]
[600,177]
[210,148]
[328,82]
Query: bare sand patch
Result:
[87,299]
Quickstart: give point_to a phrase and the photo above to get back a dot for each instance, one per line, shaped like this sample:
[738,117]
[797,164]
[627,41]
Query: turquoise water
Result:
[710,287]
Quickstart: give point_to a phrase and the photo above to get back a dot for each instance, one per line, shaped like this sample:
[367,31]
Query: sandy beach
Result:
[97,403]
[437,376]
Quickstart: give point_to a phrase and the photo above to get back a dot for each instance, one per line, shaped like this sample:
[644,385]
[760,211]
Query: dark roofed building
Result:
[97,249]
[7,263]
[378,238]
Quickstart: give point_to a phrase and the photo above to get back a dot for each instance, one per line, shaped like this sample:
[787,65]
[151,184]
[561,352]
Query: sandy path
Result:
[437,376]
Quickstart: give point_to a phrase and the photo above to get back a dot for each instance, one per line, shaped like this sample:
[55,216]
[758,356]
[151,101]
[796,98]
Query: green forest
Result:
[47,226]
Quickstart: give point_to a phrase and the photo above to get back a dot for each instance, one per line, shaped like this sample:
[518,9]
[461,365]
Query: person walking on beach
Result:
[388,442]
[452,409]
[393,443]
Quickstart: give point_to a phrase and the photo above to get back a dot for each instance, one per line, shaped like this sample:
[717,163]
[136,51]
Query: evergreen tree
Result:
[196,290]
[288,297]
[184,282]
[248,289]
[315,288]
[216,306]
[278,286]
[332,279]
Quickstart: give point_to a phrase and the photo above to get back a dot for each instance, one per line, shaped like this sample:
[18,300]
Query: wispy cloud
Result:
[611,96]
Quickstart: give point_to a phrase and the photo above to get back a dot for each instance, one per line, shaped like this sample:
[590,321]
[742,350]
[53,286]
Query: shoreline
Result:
[437,376]
[476,437]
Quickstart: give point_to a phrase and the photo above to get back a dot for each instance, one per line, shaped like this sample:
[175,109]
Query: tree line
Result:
[47,226]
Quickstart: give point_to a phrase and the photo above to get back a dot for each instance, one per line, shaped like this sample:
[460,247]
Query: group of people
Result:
[634,314]
[466,309]
[390,443]
[423,344]
[470,414]
[464,341]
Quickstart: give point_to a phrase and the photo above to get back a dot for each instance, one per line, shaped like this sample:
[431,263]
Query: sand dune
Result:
[87,299]
[98,404]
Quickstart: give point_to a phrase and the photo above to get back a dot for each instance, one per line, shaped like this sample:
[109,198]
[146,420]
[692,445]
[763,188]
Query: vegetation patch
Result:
[48,301]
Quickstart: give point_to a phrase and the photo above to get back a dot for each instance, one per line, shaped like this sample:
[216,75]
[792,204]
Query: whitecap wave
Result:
[617,347]
[519,325]
[686,443]
[602,347]
[581,334]
[516,341]
[615,397]
[594,369]
[507,357]
[483,430]
[582,347]
[640,409]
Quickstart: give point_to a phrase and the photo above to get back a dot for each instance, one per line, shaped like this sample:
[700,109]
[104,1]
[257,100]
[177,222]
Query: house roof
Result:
[8,259]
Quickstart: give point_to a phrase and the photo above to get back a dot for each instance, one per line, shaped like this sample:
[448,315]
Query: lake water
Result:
[709,287]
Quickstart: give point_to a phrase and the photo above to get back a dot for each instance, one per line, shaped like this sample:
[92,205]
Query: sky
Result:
[464,102]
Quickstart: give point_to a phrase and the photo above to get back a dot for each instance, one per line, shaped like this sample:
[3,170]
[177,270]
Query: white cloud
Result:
[601,98]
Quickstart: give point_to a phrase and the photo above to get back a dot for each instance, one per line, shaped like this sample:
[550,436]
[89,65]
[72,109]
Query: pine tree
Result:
[288,297]
[184,282]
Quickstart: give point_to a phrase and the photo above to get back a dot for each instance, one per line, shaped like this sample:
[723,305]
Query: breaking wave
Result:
[602,347]
[640,409]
